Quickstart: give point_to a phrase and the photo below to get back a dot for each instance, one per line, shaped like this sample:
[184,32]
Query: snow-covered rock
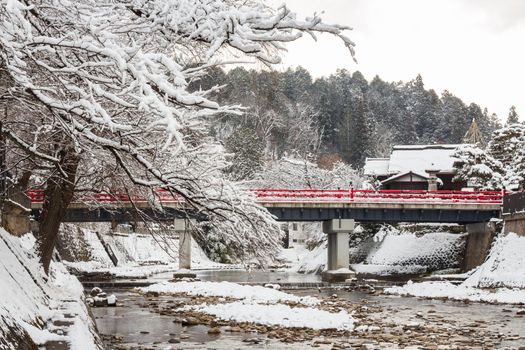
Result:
[256,294]
[278,315]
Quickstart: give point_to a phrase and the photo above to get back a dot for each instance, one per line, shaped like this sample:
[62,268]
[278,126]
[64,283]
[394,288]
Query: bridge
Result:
[337,209]
[391,206]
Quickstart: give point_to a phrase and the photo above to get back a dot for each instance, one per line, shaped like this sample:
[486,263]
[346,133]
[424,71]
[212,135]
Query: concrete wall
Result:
[515,223]
[479,242]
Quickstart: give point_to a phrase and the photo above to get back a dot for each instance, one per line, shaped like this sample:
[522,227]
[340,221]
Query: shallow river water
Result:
[135,325]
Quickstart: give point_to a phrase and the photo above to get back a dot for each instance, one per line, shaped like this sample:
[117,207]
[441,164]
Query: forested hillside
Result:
[343,116]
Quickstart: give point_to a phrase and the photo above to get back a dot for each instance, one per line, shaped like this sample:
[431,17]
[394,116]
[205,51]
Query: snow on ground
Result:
[129,270]
[252,294]
[505,266]
[257,304]
[138,255]
[388,270]
[278,315]
[503,272]
[300,259]
[393,252]
[406,248]
[459,292]
[31,302]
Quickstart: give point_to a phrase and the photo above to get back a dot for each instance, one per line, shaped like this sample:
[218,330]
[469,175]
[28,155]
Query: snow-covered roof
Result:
[419,158]
[376,166]
[400,175]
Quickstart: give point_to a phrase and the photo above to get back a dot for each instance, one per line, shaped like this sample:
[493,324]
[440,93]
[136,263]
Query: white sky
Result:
[473,48]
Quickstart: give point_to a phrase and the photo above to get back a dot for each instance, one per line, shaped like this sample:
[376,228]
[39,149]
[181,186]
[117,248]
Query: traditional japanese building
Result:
[415,167]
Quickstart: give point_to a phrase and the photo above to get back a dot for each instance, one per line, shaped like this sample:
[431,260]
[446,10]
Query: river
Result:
[135,324]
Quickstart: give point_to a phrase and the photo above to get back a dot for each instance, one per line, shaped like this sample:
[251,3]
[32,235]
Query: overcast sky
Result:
[473,48]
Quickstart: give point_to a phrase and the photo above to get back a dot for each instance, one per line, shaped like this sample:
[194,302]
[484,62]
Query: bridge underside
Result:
[119,215]
[460,216]
[392,215]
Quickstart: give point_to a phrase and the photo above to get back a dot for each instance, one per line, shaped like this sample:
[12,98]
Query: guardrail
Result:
[514,203]
[272,195]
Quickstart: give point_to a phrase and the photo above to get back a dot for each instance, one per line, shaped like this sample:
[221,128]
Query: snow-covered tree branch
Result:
[101,87]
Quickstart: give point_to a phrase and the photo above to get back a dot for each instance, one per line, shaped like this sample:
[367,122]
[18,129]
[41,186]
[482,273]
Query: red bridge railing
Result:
[272,195]
[395,196]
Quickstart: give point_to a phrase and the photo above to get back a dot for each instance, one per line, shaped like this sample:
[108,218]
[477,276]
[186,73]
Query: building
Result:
[415,167]
[296,233]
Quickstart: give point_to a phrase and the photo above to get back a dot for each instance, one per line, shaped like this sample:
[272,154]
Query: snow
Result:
[394,251]
[278,315]
[505,265]
[403,248]
[459,292]
[503,272]
[128,99]
[138,255]
[415,158]
[30,299]
[376,166]
[423,157]
[388,270]
[300,259]
[262,305]
[41,336]
[253,294]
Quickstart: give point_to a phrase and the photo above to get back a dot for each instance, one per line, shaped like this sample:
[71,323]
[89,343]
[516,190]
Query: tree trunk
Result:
[59,191]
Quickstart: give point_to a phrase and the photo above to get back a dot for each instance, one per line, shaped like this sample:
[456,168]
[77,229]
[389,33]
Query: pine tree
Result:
[247,149]
[513,117]
[501,165]
[454,119]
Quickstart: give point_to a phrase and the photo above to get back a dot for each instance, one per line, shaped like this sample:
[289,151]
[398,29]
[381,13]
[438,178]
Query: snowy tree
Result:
[478,168]
[455,119]
[513,117]
[294,172]
[507,145]
[104,90]
[247,150]
[500,165]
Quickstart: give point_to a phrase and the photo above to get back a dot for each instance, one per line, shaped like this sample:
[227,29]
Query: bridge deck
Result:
[308,205]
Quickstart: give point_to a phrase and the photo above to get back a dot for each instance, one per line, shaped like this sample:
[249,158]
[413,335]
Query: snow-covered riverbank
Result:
[503,273]
[36,309]
[138,255]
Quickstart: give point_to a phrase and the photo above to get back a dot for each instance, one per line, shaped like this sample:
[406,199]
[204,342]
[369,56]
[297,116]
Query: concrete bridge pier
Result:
[183,228]
[337,268]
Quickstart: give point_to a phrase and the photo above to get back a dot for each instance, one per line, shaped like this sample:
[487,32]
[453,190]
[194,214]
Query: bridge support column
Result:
[184,227]
[337,267]
[479,241]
